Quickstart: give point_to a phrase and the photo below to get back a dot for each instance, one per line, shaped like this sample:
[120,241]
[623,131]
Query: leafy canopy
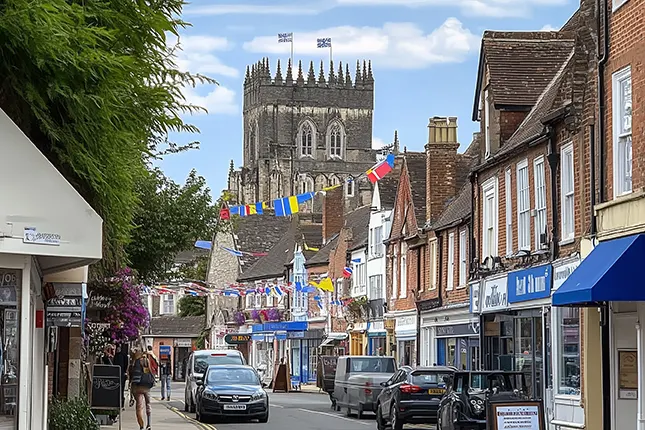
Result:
[95,87]
[170,218]
[192,306]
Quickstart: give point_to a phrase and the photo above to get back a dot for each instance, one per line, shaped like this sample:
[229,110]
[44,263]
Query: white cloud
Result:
[196,54]
[488,8]
[395,45]
[377,143]
[548,27]
[218,100]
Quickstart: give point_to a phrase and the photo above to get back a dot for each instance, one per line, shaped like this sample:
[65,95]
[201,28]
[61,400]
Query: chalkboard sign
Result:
[329,363]
[106,387]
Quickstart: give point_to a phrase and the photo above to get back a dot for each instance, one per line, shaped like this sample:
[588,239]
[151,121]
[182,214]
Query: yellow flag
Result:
[326,285]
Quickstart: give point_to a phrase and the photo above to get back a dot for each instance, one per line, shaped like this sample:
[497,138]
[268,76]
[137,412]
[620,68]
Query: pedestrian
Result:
[165,375]
[141,381]
[108,355]
[121,360]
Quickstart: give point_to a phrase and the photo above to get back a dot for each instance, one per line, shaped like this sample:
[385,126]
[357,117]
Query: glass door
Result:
[528,346]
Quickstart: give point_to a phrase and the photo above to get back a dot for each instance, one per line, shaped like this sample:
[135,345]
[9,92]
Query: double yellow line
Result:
[202,426]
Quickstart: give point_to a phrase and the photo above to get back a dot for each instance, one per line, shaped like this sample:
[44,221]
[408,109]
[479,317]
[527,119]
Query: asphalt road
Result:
[290,411]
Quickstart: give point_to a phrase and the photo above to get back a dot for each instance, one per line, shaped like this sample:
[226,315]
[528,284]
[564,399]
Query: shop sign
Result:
[458,330]
[183,343]
[475,302]
[64,304]
[31,235]
[237,339]
[164,352]
[530,284]
[376,326]
[280,326]
[561,273]
[428,305]
[495,295]
[406,323]
[295,335]
[519,415]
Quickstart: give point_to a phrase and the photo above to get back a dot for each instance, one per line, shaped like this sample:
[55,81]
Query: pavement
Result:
[308,409]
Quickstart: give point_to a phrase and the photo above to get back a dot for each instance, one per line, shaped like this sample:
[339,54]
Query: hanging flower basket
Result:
[255,316]
[239,318]
[274,314]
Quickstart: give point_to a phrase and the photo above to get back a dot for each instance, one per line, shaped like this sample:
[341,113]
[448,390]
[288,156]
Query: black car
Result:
[411,396]
[233,391]
[464,405]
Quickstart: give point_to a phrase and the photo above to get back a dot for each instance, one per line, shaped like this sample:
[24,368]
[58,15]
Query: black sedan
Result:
[231,391]
[411,396]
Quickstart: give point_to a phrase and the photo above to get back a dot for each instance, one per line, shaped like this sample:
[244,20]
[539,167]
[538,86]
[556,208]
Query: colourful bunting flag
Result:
[225,213]
[325,285]
[347,272]
[381,169]
[233,252]
[286,206]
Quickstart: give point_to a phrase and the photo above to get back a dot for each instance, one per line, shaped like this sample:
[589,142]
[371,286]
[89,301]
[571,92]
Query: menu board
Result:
[628,374]
[106,387]
[522,415]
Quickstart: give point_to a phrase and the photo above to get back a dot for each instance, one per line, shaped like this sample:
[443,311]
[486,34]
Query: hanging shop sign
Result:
[458,330]
[64,304]
[562,272]
[164,352]
[530,284]
[428,305]
[474,293]
[495,295]
[237,339]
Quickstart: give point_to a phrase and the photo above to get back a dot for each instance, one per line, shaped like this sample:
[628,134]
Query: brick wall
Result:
[509,121]
[454,293]
[441,164]
[332,216]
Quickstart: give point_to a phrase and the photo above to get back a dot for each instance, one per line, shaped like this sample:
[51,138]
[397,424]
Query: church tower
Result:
[304,131]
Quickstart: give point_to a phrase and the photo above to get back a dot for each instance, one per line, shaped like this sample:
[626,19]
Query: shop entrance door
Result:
[528,351]
[473,354]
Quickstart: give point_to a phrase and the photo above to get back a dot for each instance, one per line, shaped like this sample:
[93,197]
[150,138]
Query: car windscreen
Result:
[372,365]
[202,361]
[484,381]
[228,376]
[426,377]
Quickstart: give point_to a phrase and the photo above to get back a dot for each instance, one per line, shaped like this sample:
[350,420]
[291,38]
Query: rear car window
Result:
[429,378]
[203,361]
[372,364]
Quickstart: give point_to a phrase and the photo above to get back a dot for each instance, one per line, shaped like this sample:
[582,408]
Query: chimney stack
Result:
[332,216]
[441,164]
[442,129]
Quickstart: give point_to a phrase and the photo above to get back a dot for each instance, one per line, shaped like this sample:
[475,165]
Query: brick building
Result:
[531,200]
[406,250]
[304,133]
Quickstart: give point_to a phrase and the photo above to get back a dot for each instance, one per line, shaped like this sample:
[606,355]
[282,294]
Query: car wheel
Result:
[380,422]
[395,421]
[264,419]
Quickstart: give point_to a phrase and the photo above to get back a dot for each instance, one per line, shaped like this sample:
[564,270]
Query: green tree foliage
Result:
[95,87]
[192,306]
[170,218]
[194,270]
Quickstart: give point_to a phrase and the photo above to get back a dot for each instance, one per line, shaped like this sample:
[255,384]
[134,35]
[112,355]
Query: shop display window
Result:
[9,346]
[568,361]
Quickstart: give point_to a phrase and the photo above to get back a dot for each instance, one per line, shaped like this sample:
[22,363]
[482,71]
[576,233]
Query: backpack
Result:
[141,374]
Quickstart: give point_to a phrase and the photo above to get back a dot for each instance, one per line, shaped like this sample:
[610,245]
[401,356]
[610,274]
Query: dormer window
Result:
[335,140]
[307,137]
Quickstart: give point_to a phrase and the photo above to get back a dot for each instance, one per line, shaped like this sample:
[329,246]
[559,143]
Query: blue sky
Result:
[424,56]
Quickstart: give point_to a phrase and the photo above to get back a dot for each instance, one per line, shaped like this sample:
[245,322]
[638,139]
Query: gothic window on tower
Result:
[305,185]
[349,187]
[307,139]
[335,136]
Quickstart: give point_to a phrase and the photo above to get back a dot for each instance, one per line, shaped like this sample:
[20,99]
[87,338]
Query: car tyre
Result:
[380,422]
[395,421]
[264,419]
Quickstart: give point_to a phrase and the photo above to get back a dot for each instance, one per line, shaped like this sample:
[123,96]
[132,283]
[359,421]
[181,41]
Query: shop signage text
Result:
[183,343]
[495,295]
[475,294]
[428,305]
[164,352]
[31,235]
[458,330]
[561,273]
[280,326]
[237,339]
[64,304]
[530,284]
[409,322]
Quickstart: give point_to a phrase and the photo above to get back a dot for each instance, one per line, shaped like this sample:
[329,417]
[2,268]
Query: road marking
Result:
[327,414]
[276,406]
[203,426]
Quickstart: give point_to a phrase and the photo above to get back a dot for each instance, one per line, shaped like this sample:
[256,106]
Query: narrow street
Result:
[291,411]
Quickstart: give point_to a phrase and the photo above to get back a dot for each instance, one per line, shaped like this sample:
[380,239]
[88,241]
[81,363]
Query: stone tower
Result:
[305,131]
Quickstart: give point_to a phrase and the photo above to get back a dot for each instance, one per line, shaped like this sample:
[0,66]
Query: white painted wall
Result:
[380,218]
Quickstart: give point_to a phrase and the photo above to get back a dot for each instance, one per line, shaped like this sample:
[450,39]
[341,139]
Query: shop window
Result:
[9,296]
[568,364]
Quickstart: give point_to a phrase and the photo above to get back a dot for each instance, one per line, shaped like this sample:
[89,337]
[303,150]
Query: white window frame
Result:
[350,187]
[433,264]
[539,181]
[404,271]
[557,348]
[450,281]
[487,122]
[376,287]
[622,136]
[490,191]
[311,147]
[508,196]
[257,300]
[523,210]
[248,301]
[395,272]
[568,221]
[163,310]
[463,264]
[616,4]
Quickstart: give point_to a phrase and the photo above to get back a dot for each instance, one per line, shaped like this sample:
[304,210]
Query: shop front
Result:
[183,347]
[608,283]
[405,333]
[334,344]
[357,344]
[273,339]
[458,345]
[376,338]
[49,234]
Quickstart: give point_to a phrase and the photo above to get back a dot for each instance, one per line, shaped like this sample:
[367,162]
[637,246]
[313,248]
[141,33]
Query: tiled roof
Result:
[258,233]
[281,254]
[175,326]
[457,210]
[359,223]
[322,257]
[388,185]
[532,125]
[416,162]
[521,64]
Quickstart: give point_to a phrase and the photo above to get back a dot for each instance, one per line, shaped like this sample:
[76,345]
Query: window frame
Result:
[450,272]
[558,351]
[540,220]
[617,4]
[508,180]
[490,190]
[350,187]
[463,264]
[523,235]
[163,305]
[404,271]
[433,264]
[311,145]
[395,272]
[378,287]
[617,80]
[565,233]
[335,126]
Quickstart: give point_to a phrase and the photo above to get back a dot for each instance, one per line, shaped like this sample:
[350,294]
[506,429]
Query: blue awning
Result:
[612,272]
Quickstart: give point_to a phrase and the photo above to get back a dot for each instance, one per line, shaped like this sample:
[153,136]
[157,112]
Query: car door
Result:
[390,390]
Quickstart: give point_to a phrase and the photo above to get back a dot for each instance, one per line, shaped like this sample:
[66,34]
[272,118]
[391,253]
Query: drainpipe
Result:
[639,363]
[471,232]
[592,177]
[606,366]
[553,158]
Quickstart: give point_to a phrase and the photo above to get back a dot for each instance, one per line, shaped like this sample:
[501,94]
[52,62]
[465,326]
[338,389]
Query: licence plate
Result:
[436,391]
[235,407]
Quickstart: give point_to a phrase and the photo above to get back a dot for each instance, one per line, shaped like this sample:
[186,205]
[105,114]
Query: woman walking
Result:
[141,381]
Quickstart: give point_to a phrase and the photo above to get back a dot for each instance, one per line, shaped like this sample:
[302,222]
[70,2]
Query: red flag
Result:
[224,214]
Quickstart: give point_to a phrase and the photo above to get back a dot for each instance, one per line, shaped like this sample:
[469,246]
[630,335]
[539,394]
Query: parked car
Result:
[411,396]
[231,391]
[197,364]
[357,383]
[464,405]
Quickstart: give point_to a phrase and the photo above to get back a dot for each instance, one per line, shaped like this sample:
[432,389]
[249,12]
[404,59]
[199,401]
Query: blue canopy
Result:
[612,272]
[203,244]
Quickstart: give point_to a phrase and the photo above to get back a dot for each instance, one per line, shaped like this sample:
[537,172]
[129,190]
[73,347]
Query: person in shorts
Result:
[142,379]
